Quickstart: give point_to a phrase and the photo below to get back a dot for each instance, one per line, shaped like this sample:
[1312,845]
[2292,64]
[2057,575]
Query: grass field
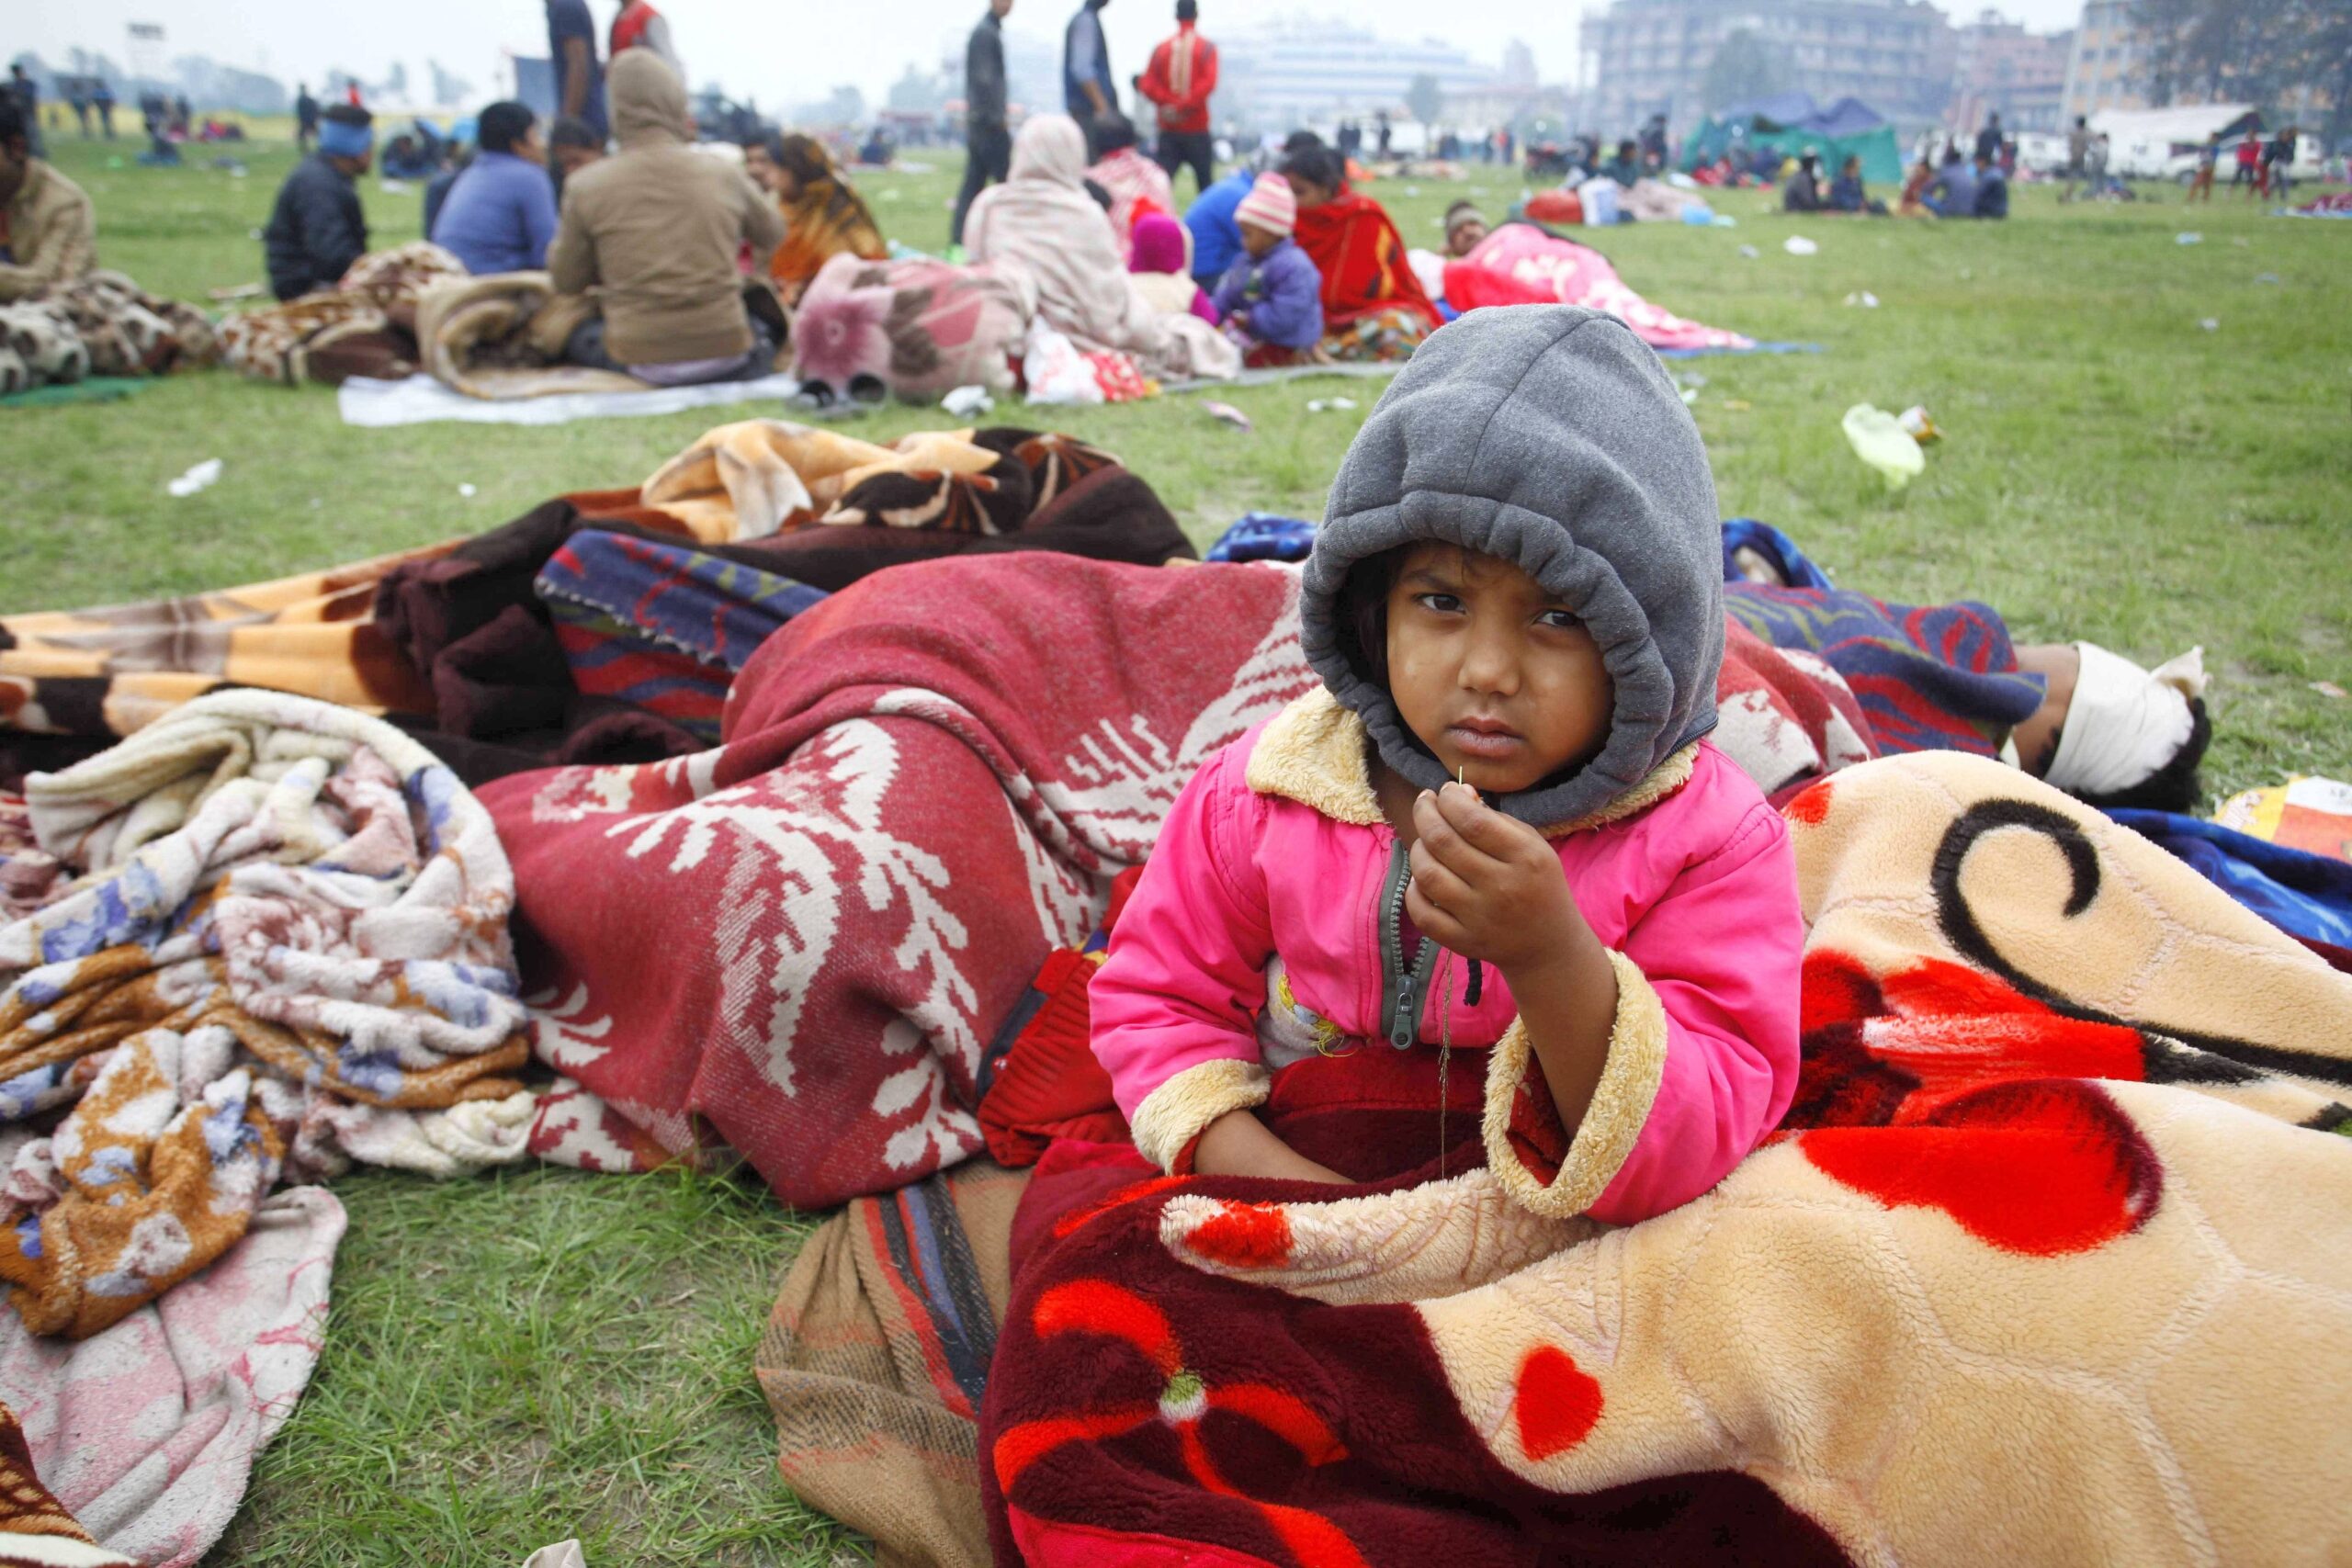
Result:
[542,1354]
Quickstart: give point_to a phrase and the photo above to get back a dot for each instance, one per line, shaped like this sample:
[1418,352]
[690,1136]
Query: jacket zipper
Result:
[1403,993]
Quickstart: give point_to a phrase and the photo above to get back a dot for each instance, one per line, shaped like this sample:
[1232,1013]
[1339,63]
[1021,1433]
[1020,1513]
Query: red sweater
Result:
[1180,79]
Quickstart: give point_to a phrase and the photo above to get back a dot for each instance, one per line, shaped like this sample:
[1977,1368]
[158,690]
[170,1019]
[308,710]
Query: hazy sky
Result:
[780,51]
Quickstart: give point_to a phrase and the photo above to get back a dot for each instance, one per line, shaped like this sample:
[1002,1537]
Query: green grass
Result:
[520,1359]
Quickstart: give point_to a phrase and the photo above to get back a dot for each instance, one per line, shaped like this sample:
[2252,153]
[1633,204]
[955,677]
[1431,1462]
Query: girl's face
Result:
[1496,676]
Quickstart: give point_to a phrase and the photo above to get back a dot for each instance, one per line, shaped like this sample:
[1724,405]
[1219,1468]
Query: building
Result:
[2001,68]
[1646,56]
[1277,75]
[2109,66]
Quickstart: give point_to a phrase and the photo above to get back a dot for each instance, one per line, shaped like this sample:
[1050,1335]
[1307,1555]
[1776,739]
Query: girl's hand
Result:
[1238,1144]
[1488,886]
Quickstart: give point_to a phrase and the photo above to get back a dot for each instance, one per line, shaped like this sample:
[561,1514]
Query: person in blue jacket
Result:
[500,214]
[1217,238]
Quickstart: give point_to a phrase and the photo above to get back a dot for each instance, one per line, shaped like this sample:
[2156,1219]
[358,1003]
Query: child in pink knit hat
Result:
[1272,298]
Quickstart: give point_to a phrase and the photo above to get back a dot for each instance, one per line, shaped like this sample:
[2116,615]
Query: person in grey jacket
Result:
[988,143]
[317,230]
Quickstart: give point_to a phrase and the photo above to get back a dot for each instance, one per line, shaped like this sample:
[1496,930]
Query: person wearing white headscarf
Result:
[1042,219]
[2112,733]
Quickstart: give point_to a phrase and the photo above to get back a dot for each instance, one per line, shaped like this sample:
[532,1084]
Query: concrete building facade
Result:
[1998,67]
[1645,57]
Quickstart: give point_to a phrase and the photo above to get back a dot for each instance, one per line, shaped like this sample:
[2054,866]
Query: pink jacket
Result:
[1262,932]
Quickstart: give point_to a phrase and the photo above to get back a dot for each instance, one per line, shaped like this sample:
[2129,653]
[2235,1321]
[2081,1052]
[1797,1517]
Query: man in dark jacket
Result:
[1089,90]
[988,144]
[1988,141]
[306,118]
[317,230]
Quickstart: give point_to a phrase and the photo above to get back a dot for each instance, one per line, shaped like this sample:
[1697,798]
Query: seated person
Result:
[1952,194]
[1803,193]
[500,215]
[1912,203]
[823,214]
[1159,263]
[655,231]
[1271,299]
[1991,189]
[1374,305]
[1465,227]
[437,189]
[573,145]
[1137,186]
[48,232]
[1847,193]
[317,229]
[1217,238]
[1626,167]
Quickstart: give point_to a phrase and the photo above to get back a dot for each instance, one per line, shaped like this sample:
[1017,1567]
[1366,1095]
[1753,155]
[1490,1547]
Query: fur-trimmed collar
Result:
[1315,752]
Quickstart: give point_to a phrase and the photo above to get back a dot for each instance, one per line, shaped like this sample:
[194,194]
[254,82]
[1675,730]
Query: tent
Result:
[1791,122]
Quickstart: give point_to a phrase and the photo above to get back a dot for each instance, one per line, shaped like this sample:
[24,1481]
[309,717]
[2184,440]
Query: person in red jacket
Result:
[1180,79]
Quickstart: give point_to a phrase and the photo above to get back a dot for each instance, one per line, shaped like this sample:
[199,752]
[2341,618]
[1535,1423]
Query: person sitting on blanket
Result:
[823,214]
[49,234]
[655,232]
[317,229]
[1500,824]
[1991,190]
[1847,192]
[1160,261]
[1373,306]
[500,213]
[1137,186]
[1465,227]
[1803,193]
[1271,300]
[1952,194]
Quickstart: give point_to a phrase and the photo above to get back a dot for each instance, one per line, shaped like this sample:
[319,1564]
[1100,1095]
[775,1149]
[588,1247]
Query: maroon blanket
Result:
[802,939]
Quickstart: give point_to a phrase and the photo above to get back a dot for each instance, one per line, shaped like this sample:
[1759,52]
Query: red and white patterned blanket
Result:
[802,941]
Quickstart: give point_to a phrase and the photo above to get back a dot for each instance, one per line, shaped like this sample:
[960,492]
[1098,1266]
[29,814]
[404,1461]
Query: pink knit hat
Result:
[1270,205]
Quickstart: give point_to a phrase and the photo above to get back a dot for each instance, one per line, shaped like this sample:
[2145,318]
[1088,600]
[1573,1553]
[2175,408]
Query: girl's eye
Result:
[1444,603]
[1559,620]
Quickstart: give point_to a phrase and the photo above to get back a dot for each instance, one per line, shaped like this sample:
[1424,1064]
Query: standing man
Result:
[48,232]
[1385,130]
[102,100]
[579,82]
[1182,75]
[1087,91]
[2078,153]
[1988,141]
[317,229]
[77,94]
[639,26]
[987,142]
[28,93]
[2277,159]
[2249,159]
[306,118]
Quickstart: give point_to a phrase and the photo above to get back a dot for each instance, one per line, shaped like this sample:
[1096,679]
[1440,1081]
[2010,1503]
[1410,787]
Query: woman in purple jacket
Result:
[1272,298]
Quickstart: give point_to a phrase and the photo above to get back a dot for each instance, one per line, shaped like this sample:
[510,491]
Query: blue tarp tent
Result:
[1788,123]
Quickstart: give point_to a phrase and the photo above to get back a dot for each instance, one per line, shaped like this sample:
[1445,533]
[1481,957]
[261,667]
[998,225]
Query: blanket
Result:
[2044,1266]
[1521,264]
[891,839]
[110,672]
[874,1356]
[502,337]
[660,627]
[1366,272]
[759,477]
[365,325]
[100,324]
[368,403]
[149,1431]
[286,949]
[36,1530]
[919,327]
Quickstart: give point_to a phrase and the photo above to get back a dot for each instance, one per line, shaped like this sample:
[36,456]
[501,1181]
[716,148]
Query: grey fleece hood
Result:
[1548,435]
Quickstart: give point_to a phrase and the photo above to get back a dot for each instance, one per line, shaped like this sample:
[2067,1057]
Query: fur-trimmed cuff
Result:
[1621,1104]
[1179,1111]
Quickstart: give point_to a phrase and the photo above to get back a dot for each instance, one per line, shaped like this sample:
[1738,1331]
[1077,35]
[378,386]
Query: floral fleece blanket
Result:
[2047,1265]
[272,940]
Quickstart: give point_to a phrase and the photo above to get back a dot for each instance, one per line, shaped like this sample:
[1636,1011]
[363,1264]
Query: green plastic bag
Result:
[1879,439]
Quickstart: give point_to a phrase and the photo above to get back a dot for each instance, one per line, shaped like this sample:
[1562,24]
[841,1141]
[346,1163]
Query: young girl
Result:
[1271,297]
[1498,830]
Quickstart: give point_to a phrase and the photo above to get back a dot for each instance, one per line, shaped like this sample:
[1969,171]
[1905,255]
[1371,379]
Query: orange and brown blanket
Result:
[2047,1265]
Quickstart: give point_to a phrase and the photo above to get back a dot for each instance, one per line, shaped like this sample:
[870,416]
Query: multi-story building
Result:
[2001,68]
[1646,56]
[1276,75]
[2108,67]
